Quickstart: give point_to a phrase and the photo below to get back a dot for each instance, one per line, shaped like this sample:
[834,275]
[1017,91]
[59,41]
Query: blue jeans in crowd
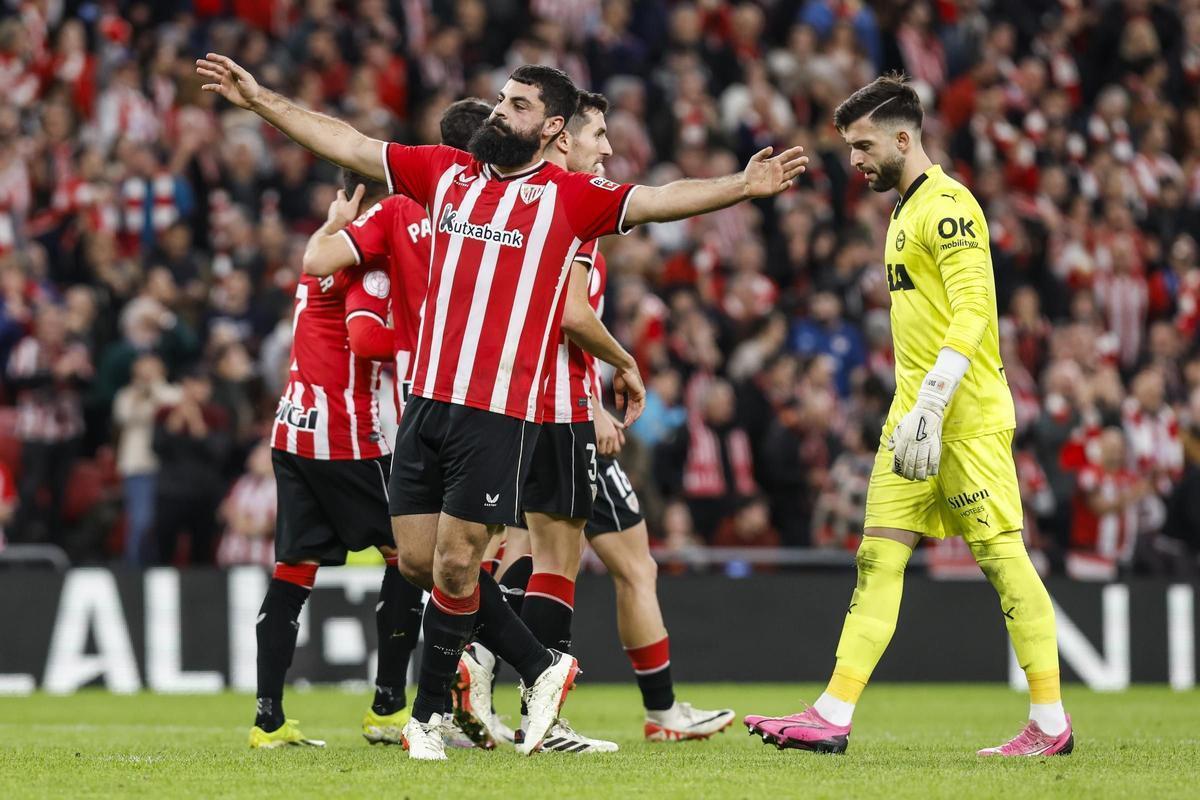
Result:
[139,517]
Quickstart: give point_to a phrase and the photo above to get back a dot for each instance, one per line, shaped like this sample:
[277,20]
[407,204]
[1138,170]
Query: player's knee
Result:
[456,564]
[880,556]
[637,573]
[420,574]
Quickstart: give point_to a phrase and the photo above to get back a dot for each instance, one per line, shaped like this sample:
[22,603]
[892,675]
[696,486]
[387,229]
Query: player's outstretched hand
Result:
[228,79]
[344,210]
[610,433]
[767,176]
[630,392]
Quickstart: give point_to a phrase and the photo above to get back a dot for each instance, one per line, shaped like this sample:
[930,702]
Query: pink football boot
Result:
[807,730]
[1033,742]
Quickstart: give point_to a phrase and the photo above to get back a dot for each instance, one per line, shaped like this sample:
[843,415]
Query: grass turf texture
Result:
[910,741]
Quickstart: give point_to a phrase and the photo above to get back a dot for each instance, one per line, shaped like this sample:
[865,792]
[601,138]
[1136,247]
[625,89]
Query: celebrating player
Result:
[506,228]
[331,464]
[945,464]
[575,456]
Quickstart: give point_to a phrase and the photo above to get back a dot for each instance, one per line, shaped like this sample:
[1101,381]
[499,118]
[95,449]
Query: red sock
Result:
[299,574]
[652,666]
[457,606]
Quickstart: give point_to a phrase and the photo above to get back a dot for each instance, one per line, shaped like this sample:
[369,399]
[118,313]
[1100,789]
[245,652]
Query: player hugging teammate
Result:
[506,226]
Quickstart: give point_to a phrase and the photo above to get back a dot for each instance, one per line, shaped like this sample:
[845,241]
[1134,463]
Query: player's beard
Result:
[887,174]
[498,144]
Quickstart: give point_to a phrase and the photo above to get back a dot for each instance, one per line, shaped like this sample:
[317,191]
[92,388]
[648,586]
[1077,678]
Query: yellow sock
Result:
[1043,687]
[871,617]
[1028,613]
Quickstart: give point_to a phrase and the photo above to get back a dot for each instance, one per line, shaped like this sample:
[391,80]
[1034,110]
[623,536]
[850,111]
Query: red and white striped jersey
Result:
[572,377]
[502,246]
[328,410]
[395,234]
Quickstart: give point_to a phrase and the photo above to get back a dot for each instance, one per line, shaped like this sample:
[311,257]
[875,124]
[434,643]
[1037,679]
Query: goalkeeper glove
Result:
[916,441]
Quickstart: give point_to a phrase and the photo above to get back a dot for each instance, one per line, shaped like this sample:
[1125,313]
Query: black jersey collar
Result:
[491,173]
[924,176]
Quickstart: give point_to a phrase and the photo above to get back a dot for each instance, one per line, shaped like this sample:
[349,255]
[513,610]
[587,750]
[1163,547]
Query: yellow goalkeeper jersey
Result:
[939,271]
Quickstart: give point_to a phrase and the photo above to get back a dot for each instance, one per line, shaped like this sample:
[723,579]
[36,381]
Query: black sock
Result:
[514,580]
[658,691]
[445,636]
[398,624]
[501,631]
[548,610]
[278,624]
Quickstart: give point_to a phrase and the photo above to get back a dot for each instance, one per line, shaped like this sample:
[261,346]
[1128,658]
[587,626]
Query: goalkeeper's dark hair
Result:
[588,102]
[888,99]
[373,190]
[461,119]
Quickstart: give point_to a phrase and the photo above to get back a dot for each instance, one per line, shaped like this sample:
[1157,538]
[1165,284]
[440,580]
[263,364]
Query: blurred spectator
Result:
[710,460]
[192,441]
[47,372]
[248,513]
[8,501]
[1105,527]
[825,332]
[749,526]
[134,412]
[841,504]
[664,413]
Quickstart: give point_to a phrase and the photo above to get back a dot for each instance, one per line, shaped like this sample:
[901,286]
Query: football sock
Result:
[652,666]
[447,626]
[500,630]
[548,609]
[870,623]
[492,564]
[1029,617]
[515,580]
[398,624]
[278,625]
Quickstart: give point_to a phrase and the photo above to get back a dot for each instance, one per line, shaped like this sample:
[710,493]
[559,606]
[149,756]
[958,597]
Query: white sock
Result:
[836,712]
[1050,717]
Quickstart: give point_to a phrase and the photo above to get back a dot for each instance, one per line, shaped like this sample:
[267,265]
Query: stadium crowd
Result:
[151,239]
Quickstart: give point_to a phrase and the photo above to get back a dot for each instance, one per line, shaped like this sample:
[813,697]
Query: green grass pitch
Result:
[910,741]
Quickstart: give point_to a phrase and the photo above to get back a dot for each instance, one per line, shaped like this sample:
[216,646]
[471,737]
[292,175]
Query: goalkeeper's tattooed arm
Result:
[917,439]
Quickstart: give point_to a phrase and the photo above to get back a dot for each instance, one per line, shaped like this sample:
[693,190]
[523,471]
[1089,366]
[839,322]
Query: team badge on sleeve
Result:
[377,284]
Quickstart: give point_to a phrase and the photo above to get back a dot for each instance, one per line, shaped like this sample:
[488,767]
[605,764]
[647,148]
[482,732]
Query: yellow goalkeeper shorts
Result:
[974,495]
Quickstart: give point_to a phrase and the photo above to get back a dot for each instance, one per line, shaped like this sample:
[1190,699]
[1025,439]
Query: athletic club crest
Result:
[900,241]
[530,193]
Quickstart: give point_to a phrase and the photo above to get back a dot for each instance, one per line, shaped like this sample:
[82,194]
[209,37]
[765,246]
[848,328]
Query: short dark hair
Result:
[588,102]
[886,99]
[461,119]
[373,190]
[556,89]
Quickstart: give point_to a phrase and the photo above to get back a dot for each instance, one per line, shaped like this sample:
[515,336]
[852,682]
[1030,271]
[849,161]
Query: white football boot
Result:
[423,740]
[681,722]
[545,698]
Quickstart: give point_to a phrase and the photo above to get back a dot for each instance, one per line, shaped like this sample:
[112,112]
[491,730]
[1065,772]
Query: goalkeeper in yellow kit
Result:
[945,464]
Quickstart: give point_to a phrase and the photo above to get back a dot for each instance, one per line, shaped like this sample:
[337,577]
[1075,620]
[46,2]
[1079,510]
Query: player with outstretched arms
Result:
[576,485]
[506,227]
[945,465]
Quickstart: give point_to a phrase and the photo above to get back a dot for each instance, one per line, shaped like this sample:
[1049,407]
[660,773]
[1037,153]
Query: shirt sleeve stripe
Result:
[358,256]
[362,312]
[387,170]
[621,229]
